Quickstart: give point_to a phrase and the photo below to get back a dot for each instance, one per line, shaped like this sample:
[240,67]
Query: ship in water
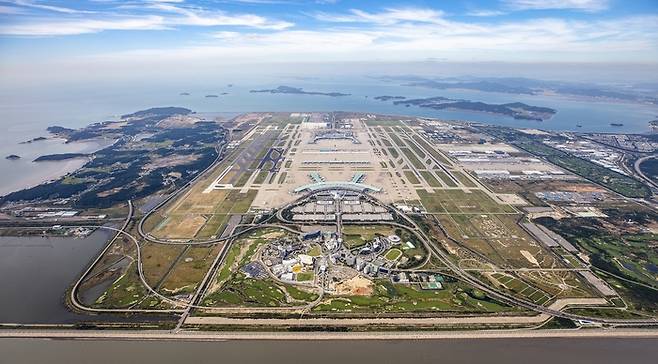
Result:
[616,124]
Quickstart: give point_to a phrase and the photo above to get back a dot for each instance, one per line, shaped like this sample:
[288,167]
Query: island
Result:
[172,146]
[37,139]
[528,86]
[72,135]
[388,98]
[60,157]
[13,157]
[59,130]
[157,112]
[517,110]
[298,91]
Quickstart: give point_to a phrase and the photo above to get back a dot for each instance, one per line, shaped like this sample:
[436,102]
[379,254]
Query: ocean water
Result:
[25,114]
[574,350]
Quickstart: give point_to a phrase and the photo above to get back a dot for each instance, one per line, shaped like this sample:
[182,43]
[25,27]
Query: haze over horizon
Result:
[107,40]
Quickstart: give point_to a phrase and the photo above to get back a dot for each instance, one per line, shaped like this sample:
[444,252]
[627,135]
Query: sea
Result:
[574,350]
[25,114]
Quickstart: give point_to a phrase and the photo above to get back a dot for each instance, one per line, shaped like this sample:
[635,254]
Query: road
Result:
[142,335]
[636,166]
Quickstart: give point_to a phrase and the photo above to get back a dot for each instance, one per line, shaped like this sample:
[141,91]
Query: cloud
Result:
[584,5]
[388,16]
[82,26]
[546,39]
[392,34]
[196,17]
[149,15]
[485,13]
[57,9]
[10,10]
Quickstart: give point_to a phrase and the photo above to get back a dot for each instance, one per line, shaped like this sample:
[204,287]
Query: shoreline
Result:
[311,336]
[55,169]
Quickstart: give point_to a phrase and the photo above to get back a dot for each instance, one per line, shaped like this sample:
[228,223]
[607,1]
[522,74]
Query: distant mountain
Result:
[485,86]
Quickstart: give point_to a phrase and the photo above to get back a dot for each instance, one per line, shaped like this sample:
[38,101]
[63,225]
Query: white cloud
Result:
[196,17]
[162,14]
[388,16]
[393,34]
[546,39]
[10,10]
[82,26]
[484,13]
[584,5]
[57,9]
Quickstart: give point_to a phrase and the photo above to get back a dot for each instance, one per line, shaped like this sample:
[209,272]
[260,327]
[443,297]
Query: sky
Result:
[58,38]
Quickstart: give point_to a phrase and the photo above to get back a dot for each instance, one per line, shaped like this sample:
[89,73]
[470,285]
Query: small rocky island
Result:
[37,139]
[60,157]
[298,91]
[389,98]
[13,157]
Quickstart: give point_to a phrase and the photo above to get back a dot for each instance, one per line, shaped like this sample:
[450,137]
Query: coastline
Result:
[35,173]
[318,335]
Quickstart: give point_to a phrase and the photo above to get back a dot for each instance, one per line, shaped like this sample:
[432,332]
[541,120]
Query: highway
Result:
[639,172]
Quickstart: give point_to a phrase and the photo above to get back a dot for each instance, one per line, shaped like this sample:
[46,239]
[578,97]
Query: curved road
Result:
[636,166]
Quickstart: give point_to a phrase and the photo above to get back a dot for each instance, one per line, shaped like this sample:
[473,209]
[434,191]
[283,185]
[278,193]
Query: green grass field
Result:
[397,298]
[430,179]
[393,254]
[411,177]
[377,122]
[458,201]
[413,158]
